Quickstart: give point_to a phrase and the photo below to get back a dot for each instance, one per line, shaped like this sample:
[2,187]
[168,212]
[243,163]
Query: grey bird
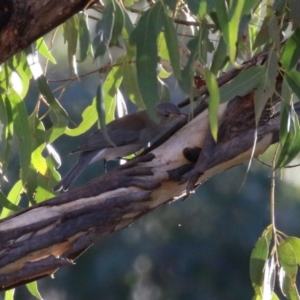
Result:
[129,134]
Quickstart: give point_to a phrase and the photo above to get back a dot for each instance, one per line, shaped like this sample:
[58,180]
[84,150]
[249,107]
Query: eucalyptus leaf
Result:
[242,84]
[71,36]
[213,102]
[291,51]
[295,244]
[43,49]
[172,44]
[102,115]
[144,37]
[13,197]
[84,36]
[258,259]
[89,118]
[266,87]
[104,29]
[288,262]
[33,289]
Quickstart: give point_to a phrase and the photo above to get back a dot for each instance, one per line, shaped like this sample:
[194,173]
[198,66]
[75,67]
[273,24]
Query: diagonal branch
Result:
[39,240]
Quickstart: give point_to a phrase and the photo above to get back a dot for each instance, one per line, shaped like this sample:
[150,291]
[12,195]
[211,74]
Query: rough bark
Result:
[24,21]
[39,240]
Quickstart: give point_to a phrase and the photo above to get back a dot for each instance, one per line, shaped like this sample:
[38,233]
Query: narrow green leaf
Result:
[269,278]
[288,262]
[45,183]
[274,31]
[59,126]
[294,6]
[104,30]
[172,44]
[118,24]
[249,5]
[293,79]
[14,197]
[130,83]
[43,49]
[223,18]
[263,36]
[101,115]
[110,88]
[285,121]
[291,51]
[235,13]
[241,85]
[5,203]
[89,118]
[214,101]
[33,289]
[144,36]
[84,36]
[21,128]
[71,37]
[258,259]
[9,295]
[51,100]
[295,244]
[267,85]
[220,56]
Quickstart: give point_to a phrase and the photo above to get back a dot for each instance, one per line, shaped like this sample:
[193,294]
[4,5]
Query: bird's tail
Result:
[83,161]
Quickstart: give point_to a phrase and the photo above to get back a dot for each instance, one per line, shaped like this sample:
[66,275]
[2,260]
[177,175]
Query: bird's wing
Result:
[118,136]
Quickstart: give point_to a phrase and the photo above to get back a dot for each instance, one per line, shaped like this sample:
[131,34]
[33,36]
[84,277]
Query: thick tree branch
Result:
[39,240]
[25,21]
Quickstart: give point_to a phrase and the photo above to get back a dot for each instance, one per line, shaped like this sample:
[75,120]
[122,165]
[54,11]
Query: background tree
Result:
[137,52]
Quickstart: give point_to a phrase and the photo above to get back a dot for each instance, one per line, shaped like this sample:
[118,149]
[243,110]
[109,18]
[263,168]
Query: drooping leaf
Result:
[71,36]
[266,87]
[22,130]
[102,115]
[294,6]
[13,197]
[249,5]
[257,263]
[110,88]
[220,56]
[43,49]
[9,294]
[59,126]
[172,44]
[104,30]
[241,85]
[33,289]
[291,51]
[293,79]
[49,97]
[258,259]
[274,31]
[130,83]
[295,244]
[214,101]
[269,278]
[89,118]
[118,24]
[5,203]
[263,34]
[144,36]
[288,272]
[234,14]
[84,36]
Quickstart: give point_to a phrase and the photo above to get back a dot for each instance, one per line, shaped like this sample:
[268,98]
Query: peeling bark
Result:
[39,240]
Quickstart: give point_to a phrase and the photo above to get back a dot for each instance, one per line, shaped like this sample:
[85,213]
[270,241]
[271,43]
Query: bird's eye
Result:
[166,115]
